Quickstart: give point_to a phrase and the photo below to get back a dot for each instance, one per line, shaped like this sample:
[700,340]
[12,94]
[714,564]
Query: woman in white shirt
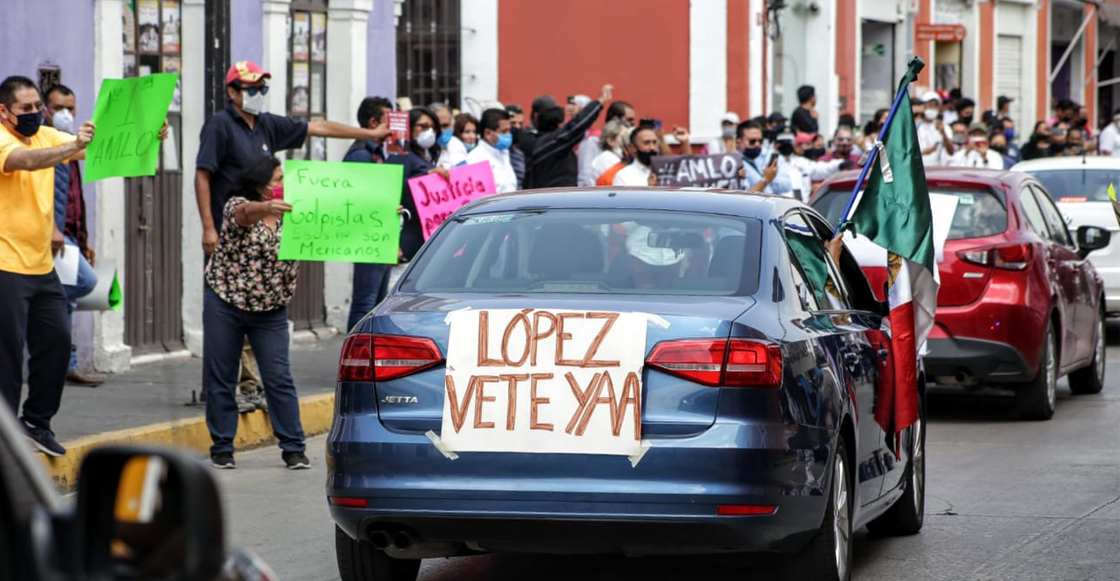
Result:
[611,143]
[464,138]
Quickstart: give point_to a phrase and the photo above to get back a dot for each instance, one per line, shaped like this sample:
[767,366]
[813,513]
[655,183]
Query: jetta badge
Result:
[406,399]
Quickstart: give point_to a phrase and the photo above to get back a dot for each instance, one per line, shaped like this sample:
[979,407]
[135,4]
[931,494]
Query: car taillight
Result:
[1006,256]
[720,362]
[368,357]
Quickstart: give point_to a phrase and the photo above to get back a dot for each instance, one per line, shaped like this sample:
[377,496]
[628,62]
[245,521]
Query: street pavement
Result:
[1006,500]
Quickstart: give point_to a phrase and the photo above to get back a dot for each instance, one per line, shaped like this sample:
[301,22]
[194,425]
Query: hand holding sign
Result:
[438,195]
[131,115]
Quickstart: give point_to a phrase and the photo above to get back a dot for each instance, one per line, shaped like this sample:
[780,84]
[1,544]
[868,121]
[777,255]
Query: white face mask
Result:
[252,104]
[63,120]
[426,139]
[930,114]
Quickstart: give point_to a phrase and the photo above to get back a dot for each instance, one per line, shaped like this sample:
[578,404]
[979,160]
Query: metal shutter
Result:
[1009,77]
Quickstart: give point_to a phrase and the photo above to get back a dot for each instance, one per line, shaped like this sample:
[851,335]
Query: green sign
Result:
[341,211]
[129,115]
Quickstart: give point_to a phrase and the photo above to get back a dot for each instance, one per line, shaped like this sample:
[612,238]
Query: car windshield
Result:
[1077,185]
[592,251]
[978,213]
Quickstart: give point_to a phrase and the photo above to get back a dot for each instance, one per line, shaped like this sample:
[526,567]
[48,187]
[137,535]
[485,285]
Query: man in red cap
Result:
[243,131]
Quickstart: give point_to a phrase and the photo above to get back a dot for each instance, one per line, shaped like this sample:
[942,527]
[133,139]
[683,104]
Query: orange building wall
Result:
[639,46]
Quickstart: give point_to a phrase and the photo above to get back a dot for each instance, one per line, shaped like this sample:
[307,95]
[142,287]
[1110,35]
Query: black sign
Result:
[720,170]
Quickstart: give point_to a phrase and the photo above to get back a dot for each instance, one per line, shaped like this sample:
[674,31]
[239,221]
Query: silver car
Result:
[1079,185]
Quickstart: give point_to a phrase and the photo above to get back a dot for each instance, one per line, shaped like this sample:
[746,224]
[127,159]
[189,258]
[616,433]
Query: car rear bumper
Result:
[967,360]
[562,503]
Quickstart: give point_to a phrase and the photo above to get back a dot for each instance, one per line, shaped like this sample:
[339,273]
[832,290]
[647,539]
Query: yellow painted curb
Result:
[253,429]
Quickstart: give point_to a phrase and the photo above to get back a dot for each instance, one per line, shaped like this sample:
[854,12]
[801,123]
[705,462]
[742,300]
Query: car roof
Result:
[941,177]
[720,201]
[1080,162]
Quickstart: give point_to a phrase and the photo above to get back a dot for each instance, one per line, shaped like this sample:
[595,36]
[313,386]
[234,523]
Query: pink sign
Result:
[437,198]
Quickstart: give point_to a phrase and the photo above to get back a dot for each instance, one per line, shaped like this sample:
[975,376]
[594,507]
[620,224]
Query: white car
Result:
[1079,185]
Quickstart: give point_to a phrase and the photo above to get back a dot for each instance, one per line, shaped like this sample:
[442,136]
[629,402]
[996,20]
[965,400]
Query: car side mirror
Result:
[1090,238]
[144,513]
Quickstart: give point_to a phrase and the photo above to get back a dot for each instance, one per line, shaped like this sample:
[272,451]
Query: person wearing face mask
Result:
[1058,139]
[644,144]
[1075,142]
[726,141]
[493,147]
[464,137]
[997,142]
[517,129]
[958,134]
[418,160]
[758,173]
[976,152]
[932,137]
[1109,141]
[243,131]
[70,221]
[552,162]
[842,146]
[446,128]
[1007,127]
[33,311]
[807,151]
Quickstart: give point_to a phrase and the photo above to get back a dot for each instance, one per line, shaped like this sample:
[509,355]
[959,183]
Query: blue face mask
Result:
[445,138]
[504,141]
[471,146]
[1009,134]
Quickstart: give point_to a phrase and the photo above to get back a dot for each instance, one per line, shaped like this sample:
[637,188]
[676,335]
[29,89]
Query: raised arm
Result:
[332,129]
[26,159]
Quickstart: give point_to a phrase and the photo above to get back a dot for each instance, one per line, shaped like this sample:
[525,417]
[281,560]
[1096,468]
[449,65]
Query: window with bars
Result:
[428,44]
[307,71]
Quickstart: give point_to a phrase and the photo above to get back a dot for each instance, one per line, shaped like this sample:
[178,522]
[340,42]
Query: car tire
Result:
[1035,399]
[359,561]
[907,514]
[1090,379]
[828,556]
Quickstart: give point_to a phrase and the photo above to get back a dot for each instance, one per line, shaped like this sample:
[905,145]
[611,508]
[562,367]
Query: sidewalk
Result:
[148,404]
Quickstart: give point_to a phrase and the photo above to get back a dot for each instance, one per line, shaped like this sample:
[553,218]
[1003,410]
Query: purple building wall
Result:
[246,36]
[381,62]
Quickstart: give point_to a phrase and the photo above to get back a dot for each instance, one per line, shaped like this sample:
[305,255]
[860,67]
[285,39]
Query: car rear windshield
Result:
[978,213]
[1077,185]
[593,251]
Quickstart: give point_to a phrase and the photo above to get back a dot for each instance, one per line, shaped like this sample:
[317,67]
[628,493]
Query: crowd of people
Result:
[239,191]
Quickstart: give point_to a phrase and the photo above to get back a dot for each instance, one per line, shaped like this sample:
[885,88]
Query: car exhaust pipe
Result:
[403,540]
[379,539]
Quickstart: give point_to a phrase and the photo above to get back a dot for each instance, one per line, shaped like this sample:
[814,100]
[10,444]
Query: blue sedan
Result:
[745,422]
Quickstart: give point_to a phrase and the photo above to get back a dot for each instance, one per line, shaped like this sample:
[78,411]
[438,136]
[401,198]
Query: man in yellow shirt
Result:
[32,301]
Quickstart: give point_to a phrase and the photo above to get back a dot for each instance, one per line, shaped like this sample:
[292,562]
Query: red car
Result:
[1019,304]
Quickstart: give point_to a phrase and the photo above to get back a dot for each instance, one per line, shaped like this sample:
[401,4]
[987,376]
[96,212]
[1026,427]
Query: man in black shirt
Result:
[242,132]
[552,161]
[804,117]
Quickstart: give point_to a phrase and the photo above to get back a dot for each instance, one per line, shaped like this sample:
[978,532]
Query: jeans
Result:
[87,281]
[224,328]
[33,314]
[371,285]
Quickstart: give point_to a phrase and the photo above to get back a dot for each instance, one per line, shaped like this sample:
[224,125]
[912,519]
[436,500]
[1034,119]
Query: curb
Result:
[253,429]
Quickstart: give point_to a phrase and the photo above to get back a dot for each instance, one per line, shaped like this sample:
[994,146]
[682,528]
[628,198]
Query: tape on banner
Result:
[438,443]
[107,295]
[641,454]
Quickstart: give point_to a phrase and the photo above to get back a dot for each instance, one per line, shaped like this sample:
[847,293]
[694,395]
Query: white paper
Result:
[67,265]
[944,207]
[478,397]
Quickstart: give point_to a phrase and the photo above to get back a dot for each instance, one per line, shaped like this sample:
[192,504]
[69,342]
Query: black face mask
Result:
[752,152]
[645,157]
[785,148]
[814,153]
[967,120]
[998,148]
[1057,148]
[28,124]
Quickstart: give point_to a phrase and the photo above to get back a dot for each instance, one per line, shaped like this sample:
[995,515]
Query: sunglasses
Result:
[754,141]
[254,90]
[843,140]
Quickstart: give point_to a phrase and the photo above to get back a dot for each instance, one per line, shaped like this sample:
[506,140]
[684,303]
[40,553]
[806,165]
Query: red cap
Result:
[247,72]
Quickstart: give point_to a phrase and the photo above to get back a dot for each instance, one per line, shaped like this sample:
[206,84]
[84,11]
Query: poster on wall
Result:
[170,26]
[300,88]
[301,33]
[129,68]
[147,17]
[128,28]
[319,37]
[316,91]
[172,64]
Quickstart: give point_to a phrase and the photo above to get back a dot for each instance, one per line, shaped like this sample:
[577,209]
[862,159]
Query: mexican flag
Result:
[894,212]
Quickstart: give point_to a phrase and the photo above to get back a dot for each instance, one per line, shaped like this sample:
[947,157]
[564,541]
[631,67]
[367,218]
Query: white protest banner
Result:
[544,381]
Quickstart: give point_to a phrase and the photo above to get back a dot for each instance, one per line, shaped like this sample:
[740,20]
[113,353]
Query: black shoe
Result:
[223,461]
[45,442]
[296,460]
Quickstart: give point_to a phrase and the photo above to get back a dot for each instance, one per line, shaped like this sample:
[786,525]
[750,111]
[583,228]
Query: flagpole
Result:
[872,155]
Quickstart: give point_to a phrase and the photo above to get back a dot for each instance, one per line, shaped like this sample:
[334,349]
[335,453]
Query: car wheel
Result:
[1090,379]
[905,517]
[359,561]
[828,557]
[1035,399]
